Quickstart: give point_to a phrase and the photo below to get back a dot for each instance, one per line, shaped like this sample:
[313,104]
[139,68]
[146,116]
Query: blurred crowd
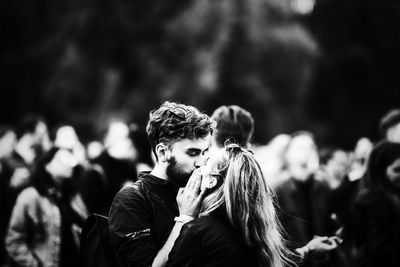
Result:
[50,178]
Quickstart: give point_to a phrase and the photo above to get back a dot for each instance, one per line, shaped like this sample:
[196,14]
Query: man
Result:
[390,126]
[142,221]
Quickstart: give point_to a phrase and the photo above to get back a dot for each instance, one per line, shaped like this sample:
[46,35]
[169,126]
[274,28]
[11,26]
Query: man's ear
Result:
[163,152]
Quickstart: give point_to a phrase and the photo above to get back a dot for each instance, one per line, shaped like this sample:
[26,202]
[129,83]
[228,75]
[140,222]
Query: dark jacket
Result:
[210,241]
[141,219]
[102,181]
[34,233]
[304,210]
[377,229]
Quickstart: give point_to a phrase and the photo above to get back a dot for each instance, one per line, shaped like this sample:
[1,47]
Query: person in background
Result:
[48,215]
[271,158]
[234,124]
[390,126]
[7,142]
[146,218]
[376,212]
[334,166]
[32,141]
[108,173]
[342,198]
[66,137]
[237,224]
[303,199]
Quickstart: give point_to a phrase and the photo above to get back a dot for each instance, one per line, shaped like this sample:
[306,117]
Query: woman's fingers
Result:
[193,180]
[180,191]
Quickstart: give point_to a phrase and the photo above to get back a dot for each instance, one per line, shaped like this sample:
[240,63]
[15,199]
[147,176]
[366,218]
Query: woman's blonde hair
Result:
[249,204]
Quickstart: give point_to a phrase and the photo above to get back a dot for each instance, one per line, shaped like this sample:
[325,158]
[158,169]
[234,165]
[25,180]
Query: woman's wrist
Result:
[183,218]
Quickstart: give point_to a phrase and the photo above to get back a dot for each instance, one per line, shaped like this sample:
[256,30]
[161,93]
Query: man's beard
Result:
[175,174]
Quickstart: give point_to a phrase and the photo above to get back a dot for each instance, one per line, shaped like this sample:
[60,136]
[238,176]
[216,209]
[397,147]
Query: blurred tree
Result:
[85,61]
[357,75]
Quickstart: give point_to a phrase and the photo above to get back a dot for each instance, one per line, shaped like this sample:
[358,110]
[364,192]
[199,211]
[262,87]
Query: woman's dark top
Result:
[211,241]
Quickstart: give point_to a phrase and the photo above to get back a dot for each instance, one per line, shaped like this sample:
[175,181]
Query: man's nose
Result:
[200,161]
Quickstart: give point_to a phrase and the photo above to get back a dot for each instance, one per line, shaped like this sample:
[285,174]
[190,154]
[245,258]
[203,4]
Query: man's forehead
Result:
[198,143]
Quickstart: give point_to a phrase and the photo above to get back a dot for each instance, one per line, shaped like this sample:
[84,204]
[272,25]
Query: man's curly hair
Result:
[172,122]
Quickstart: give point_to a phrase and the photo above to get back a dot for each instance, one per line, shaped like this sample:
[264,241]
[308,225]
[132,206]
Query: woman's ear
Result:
[163,152]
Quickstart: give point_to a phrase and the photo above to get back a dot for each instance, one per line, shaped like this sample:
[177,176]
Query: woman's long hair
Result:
[249,204]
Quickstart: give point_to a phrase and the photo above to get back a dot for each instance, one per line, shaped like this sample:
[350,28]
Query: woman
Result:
[237,224]
[46,219]
[377,209]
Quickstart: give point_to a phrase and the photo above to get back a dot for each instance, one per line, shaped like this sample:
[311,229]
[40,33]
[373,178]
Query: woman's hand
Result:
[189,198]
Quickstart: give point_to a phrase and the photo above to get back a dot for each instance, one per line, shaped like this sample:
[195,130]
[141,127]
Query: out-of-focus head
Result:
[117,130]
[54,169]
[35,126]
[173,122]
[118,142]
[33,135]
[60,163]
[94,149]
[301,155]
[335,164]
[363,148]
[66,137]
[384,165]
[8,139]
[390,126]
[279,143]
[234,124]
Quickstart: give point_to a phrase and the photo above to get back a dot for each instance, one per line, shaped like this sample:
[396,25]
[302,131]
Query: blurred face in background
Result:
[338,164]
[7,143]
[393,173]
[393,133]
[62,165]
[118,143]
[337,167]
[302,157]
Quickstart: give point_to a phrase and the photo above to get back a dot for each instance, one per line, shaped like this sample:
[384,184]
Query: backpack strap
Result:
[95,247]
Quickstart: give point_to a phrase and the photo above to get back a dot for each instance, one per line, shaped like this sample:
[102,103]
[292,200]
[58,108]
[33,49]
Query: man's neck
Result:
[159,171]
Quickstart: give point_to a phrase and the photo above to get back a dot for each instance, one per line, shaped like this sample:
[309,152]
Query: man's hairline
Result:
[171,143]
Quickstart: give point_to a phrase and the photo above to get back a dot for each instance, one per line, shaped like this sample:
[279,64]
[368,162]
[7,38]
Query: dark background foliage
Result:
[333,71]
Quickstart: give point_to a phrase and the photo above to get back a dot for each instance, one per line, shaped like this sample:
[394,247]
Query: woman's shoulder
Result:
[203,226]
[205,223]
[218,240]
[213,229]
